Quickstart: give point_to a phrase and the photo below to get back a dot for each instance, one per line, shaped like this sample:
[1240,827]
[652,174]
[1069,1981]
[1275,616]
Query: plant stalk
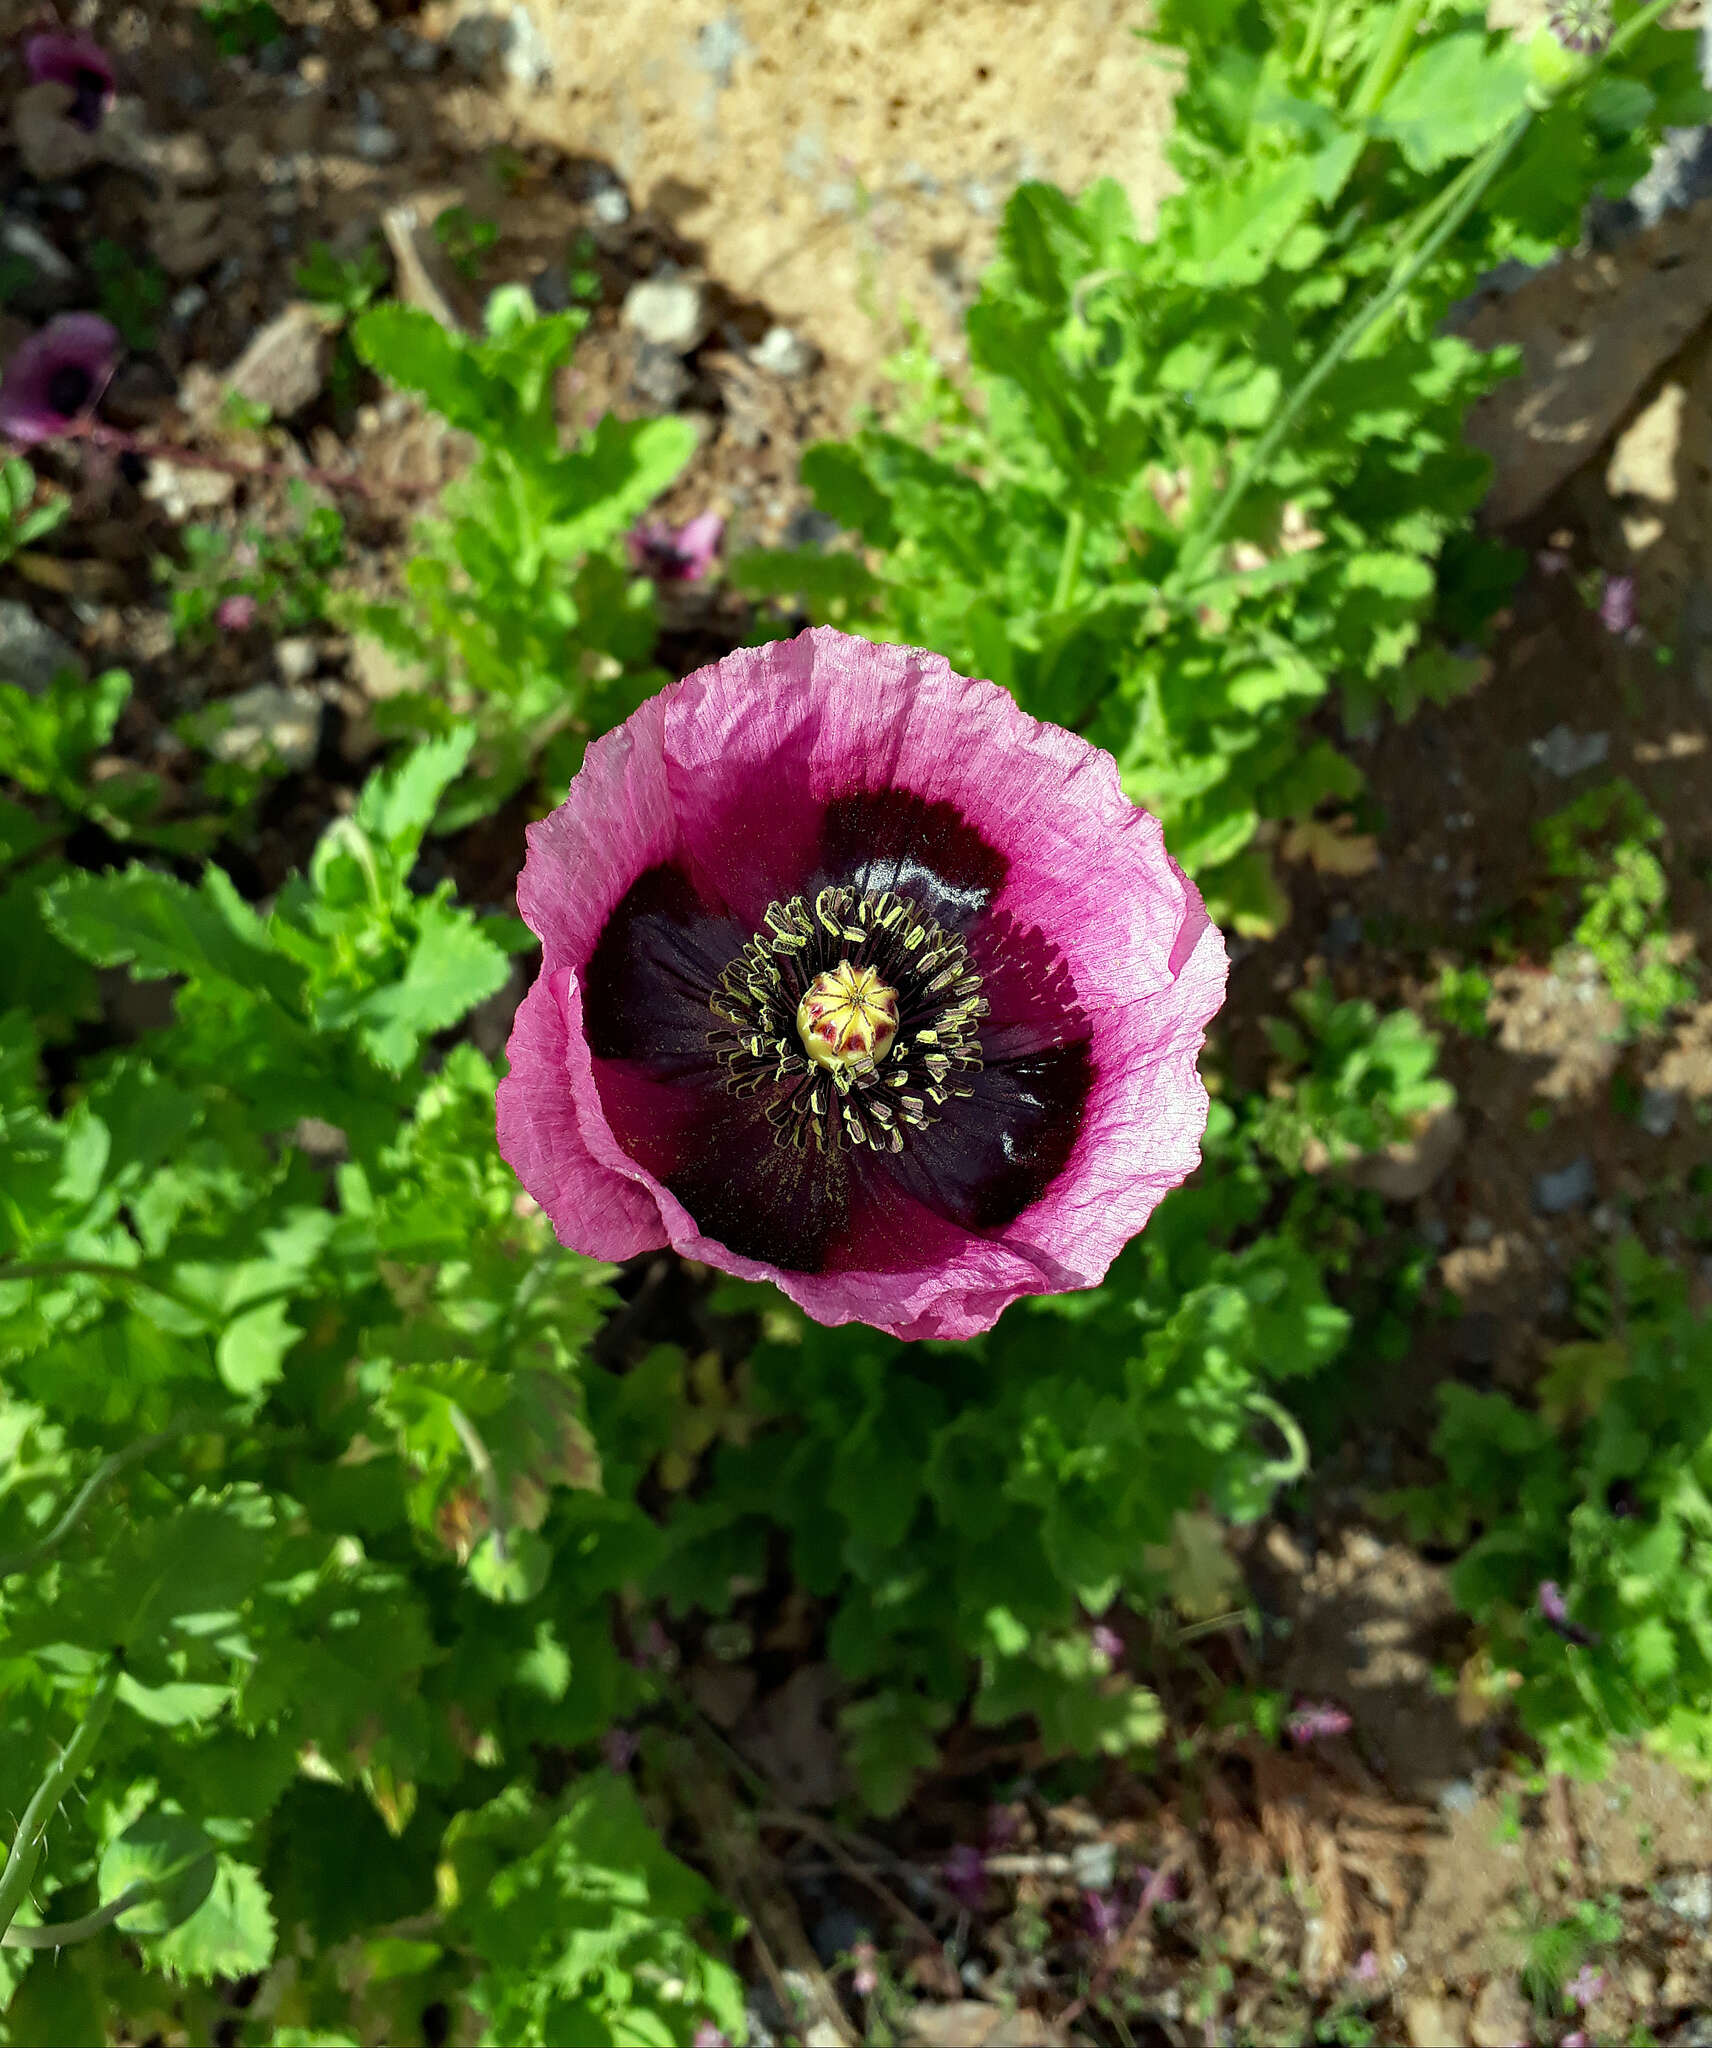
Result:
[58,1779]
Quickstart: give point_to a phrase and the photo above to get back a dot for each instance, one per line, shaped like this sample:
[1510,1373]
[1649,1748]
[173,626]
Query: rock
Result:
[188,302]
[52,284]
[1564,753]
[182,489]
[183,161]
[526,59]
[31,653]
[1658,1111]
[669,312]
[373,142]
[1502,2017]
[296,658]
[781,352]
[488,42]
[610,206]
[1403,1172]
[1094,1866]
[1593,329]
[52,145]
[266,726]
[186,235]
[659,378]
[379,673]
[325,1143]
[1687,1894]
[1568,1187]
[1431,2022]
[285,364]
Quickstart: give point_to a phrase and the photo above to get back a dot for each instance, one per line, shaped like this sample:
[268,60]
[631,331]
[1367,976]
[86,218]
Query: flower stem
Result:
[100,435]
[1388,60]
[64,1932]
[1479,176]
[1070,561]
[58,1779]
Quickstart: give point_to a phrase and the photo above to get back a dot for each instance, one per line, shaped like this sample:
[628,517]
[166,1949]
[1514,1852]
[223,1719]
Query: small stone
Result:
[659,378]
[379,673]
[1431,2022]
[1094,1866]
[669,312]
[266,726]
[1658,1111]
[1502,2016]
[181,489]
[1687,1894]
[783,353]
[52,284]
[31,653]
[1563,752]
[186,304]
[296,658]
[371,141]
[1568,1187]
[51,144]
[527,60]
[1404,1171]
[1459,1796]
[610,206]
[186,235]
[322,1141]
[284,366]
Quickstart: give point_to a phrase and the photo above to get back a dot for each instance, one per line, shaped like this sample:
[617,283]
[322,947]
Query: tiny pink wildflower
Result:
[1617,605]
[237,613]
[82,65]
[707,2035]
[1586,1987]
[1316,1721]
[685,555]
[55,379]
[865,1977]
[857,979]
[1107,1642]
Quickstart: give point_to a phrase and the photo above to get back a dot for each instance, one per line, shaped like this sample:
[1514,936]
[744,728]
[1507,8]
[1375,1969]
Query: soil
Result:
[817,166]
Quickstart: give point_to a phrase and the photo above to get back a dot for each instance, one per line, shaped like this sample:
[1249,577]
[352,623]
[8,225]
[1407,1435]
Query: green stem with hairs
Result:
[1388,60]
[64,1932]
[58,1779]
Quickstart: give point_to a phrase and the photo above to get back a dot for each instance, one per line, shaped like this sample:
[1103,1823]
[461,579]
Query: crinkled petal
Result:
[71,341]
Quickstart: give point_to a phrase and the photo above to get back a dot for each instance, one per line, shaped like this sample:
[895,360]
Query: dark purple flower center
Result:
[961,1117]
[89,97]
[68,388]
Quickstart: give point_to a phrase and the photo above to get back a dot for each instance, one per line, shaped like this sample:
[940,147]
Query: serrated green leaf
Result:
[167,1851]
[231,1934]
[1453,97]
[252,1348]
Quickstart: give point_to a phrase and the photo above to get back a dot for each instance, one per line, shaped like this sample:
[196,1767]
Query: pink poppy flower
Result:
[81,64]
[683,556]
[56,376]
[857,979]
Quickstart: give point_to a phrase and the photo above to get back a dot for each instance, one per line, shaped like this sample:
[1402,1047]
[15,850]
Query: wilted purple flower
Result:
[1102,1915]
[1585,1987]
[1580,25]
[55,377]
[856,979]
[1315,1720]
[965,1875]
[1107,1642]
[81,64]
[618,1746]
[1617,605]
[237,613]
[1555,1611]
[684,556]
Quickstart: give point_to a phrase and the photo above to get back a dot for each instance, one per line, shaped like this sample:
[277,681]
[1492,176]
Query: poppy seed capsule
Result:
[848,1017]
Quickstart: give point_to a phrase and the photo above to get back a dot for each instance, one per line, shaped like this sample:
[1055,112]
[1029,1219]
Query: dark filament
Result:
[863,1101]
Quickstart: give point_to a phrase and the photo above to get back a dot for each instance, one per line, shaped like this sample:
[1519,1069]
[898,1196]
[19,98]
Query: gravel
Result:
[1568,1187]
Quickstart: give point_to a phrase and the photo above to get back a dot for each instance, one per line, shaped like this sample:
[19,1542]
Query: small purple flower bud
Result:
[236,614]
[83,65]
[55,378]
[965,1875]
[1617,605]
[865,1977]
[1315,1721]
[618,1746]
[683,556]
[1107,1641]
